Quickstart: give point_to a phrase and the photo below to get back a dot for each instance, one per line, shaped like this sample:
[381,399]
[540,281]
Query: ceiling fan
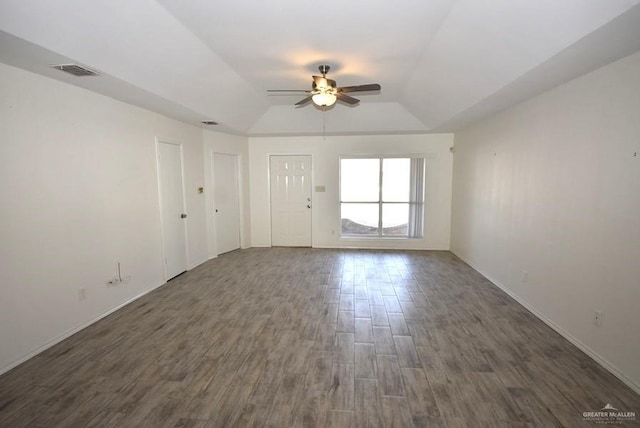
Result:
[324,92]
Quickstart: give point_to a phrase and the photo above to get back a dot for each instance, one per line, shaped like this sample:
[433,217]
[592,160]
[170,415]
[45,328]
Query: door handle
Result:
[308,205]
[183,215]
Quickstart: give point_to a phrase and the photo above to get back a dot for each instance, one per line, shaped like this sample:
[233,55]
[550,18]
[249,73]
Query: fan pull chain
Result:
[324,124]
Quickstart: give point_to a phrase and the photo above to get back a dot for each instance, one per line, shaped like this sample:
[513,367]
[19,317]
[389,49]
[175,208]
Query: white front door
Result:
[290,201]
[172,209]
[226,201]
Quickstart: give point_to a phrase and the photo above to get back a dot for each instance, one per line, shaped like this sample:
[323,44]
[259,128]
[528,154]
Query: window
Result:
[382,196]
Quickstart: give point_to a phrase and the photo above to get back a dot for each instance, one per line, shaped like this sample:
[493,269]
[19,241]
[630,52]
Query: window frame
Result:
[379,202]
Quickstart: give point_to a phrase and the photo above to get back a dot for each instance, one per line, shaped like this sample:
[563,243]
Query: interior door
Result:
[226,201]
[172,209]
[290,201]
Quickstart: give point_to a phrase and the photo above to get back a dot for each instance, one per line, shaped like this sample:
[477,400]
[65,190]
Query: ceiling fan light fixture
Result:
[324,99]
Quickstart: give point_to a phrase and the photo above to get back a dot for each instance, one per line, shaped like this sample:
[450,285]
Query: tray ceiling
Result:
[442,64]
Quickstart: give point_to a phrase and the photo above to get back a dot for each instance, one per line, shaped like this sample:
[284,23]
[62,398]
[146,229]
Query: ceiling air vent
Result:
[76,70]
[209,122]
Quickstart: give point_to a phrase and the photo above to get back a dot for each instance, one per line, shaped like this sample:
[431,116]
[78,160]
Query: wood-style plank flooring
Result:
[312,338]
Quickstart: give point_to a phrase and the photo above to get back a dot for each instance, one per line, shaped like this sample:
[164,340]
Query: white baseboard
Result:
[194,265]
[575,341]
[73,331]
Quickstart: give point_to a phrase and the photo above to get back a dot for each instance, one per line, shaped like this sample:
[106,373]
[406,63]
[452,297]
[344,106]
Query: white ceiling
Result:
[442,64]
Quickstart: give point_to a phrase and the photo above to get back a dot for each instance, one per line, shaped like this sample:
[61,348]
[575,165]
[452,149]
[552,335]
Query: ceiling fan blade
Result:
[347,99]
[360,88]
[304,101]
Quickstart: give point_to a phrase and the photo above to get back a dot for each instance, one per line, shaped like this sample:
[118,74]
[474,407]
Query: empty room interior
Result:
[304,214]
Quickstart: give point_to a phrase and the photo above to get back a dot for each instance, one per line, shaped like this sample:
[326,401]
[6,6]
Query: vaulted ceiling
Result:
[442,64]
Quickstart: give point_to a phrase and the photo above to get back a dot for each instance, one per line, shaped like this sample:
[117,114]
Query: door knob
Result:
[308,205]
[183,215]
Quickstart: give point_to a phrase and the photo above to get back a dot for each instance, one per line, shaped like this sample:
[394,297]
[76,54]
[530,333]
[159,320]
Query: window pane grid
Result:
[391,214]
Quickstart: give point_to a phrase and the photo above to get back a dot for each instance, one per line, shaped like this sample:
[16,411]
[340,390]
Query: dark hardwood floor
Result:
[299,337]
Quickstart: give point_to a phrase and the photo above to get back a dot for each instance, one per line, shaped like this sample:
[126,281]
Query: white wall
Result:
[552,187]
[216,142]
[374,117]
[326,208]
[79,193]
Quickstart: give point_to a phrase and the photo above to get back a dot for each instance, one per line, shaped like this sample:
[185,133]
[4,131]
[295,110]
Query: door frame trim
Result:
[184,205]
[239,183]
[313,205]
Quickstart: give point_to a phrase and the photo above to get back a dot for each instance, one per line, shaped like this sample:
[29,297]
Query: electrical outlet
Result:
[597,318]
[82,294]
